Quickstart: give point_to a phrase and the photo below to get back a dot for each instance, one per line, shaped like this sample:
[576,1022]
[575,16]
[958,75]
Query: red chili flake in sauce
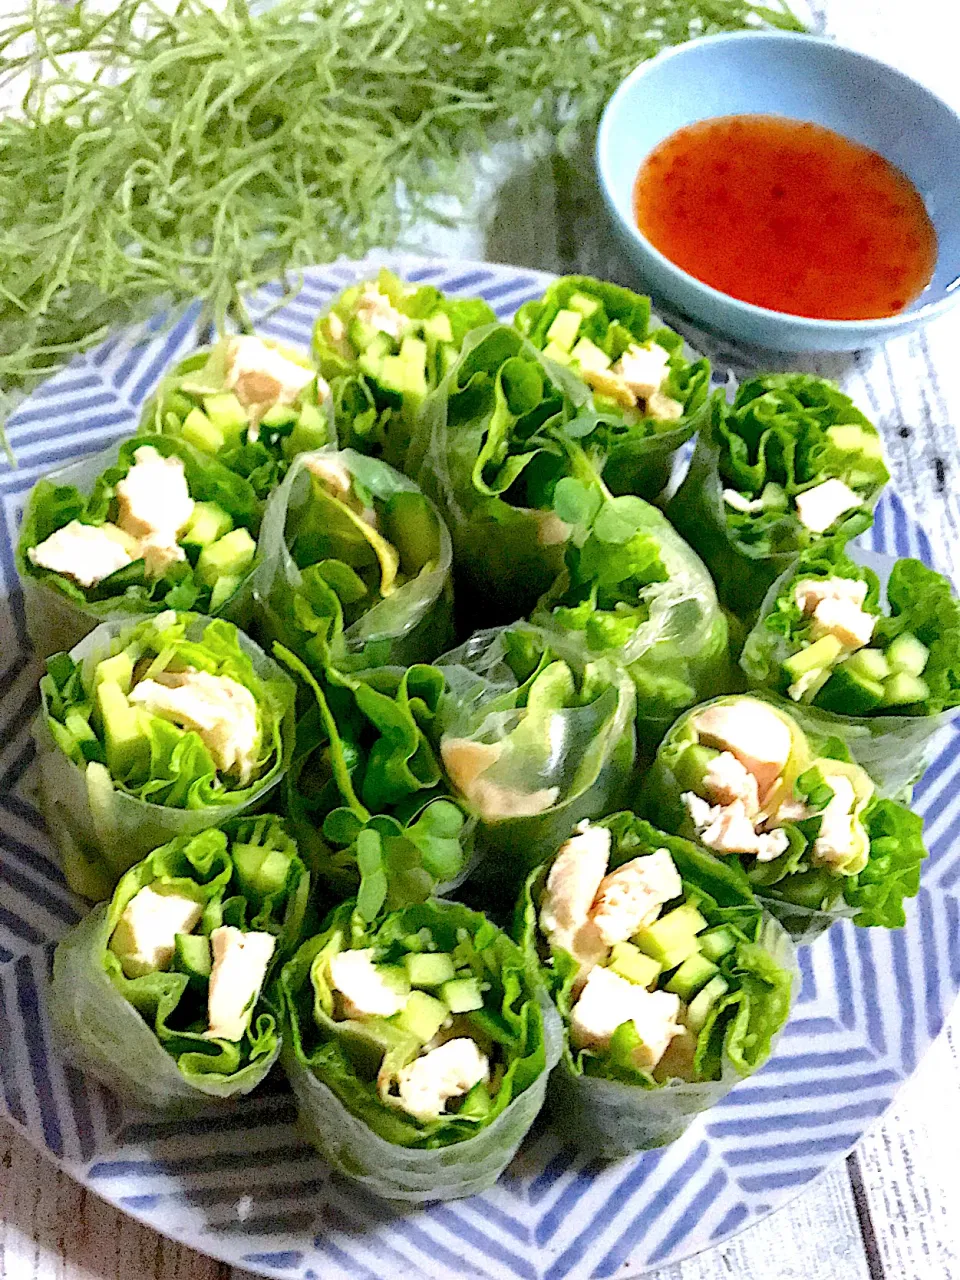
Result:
[787,215]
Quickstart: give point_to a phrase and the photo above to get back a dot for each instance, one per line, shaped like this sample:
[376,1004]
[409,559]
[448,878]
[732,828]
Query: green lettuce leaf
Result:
[637,446]
[380,376]
[633,591]
[783,435]
[115,786]
[356,577]
[532,742]
[59,611]
[492,443]
[891,742]
[144,1036]
[332,1064]
[603,1101]
[804,892]
[194,402]
[366,793]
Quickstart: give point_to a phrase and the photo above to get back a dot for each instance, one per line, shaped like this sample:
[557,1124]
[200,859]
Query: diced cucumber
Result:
[406,373]
[77,723]
[870,663]
[226,412]
[422,1016]
[261,872]
[631,963]
[438,327]
[908,654]
[462,995]
[208,522]
[230,555]
[191,955]
[563,331]
[199,431]
[698,1010]
[716,943]
[695,972]
[590,356]
[693,765]
[902,689]
[279,415]
[429,969]
[362,336]
[822,653]
[394,976]
[848,693]
[580,302]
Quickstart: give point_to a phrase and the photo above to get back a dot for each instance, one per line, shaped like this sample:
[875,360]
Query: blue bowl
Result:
[804,78]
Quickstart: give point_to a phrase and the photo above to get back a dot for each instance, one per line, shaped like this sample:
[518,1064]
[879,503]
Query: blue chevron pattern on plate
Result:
[244,1187]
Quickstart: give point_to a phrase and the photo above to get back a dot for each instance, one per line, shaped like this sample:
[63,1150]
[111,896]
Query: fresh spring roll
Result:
[152,729]
[790,463]
[817,842]
[884,676]
[671,982]
[365,793]
[418,1048]
[646,393]
[249,402]
[385,345]
[142,528]
[164,992]
[492,443]
[634,592]
[355,565]
[532,742]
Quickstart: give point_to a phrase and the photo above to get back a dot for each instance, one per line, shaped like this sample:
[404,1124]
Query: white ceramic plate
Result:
[242,1186]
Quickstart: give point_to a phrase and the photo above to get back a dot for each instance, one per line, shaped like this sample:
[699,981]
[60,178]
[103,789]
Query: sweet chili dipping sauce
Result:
[787,215]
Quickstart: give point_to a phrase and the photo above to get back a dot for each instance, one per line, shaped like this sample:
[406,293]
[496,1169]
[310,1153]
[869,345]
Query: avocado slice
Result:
[631,963]
[117,670]
[227,413]
[672,938]
[580,302]
[124,741]
[822,653]
[563,331]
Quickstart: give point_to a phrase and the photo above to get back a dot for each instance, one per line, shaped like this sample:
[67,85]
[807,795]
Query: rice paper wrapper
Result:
[55,622]
[102,831]
[873,896]
[680,654]
[585,763]
[894,750]
[413,624]
[613,1119]
[414,1175]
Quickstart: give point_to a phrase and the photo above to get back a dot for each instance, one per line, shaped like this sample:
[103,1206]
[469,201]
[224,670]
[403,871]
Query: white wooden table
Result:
[890,1211]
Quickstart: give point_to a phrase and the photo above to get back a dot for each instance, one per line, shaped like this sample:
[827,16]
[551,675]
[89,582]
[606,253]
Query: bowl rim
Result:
[813,324]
